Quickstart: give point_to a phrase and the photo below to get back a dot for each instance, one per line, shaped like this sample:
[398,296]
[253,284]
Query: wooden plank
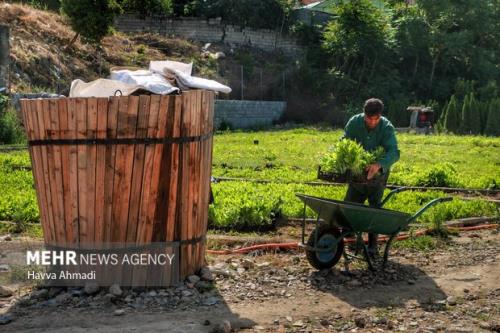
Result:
[66,203]
[161,210]
[31,125]
[155,199]
[138,169]
[127,121]
[174,179]
[73,216]
[91,169]
[50,239]
[184,218]
[145,224]
[51,170]
[111,133]
[137,182]
[100,173]
[81,133]
[58,191]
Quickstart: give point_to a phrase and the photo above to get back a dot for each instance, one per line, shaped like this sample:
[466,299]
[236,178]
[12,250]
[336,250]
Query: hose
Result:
[293,245]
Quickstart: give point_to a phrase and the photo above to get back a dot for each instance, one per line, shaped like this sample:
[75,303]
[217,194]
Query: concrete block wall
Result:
[210,31]
[246,114]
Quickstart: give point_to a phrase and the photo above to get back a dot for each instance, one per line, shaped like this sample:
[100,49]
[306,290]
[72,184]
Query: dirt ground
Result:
[452,288]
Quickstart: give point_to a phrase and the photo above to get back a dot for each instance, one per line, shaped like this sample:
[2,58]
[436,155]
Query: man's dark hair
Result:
[373,106]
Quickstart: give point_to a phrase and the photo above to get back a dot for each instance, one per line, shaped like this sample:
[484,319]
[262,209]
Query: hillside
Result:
[42,59]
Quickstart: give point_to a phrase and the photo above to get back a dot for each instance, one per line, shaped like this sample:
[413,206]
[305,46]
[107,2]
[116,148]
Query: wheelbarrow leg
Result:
[359,241]
[387,248]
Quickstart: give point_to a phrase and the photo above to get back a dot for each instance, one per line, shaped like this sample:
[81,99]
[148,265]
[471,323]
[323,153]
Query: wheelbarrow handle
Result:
[429,205]
[388,196]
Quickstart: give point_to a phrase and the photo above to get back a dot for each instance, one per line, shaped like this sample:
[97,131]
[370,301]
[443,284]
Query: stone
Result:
[115,290]
[4,268]
[204,286]
[193,279]
[219,55]
[360,321]
[109,298]
[119,312]
[247,264]
[6,291]
[54,291]
[186,293]
[5,319]
[210,301]
[206,274]
[6,238]
[62,298]
[451,300]
[91,288]
[40,294]
[298,323]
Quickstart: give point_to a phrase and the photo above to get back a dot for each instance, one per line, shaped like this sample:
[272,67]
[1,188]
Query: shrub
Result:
[440,175]
[91,19]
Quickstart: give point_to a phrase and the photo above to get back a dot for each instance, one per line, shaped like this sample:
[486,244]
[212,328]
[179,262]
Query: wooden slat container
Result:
[132,170]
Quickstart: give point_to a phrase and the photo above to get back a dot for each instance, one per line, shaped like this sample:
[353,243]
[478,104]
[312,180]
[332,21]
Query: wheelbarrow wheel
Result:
[328,237]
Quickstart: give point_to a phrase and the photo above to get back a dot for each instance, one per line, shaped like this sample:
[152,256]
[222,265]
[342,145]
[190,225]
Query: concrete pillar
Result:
[4,55]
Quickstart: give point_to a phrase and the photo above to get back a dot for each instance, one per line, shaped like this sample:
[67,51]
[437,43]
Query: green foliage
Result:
[452,116]
[493,123]
[269,14]
[471,116]
[439,175]
[10,129]
[349,156]
[92,19]
[148,7]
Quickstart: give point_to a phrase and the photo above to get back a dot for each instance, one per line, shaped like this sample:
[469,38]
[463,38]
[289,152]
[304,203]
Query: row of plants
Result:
[249,206]
[294,155]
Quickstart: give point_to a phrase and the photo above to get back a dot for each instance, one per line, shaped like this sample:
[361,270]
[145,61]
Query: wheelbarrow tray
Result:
[357,217]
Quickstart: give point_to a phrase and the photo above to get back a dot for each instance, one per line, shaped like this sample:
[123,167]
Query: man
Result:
[371,130]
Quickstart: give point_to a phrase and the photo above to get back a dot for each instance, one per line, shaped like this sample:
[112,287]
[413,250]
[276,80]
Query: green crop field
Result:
[290,157]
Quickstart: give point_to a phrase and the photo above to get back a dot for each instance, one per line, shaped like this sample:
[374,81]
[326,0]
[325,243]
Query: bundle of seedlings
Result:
[346,161]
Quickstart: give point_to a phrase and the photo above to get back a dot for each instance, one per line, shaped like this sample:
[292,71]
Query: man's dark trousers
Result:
[359,193]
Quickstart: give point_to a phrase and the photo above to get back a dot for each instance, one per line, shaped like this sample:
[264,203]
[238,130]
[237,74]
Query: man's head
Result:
[373,111]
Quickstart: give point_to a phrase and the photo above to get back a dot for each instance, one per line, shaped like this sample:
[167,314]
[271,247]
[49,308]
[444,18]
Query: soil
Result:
[452,288]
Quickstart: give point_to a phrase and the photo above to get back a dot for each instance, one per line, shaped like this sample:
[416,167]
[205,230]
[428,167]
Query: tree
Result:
[146,8]
[452,118]
[359,41]
[92,19]
[493,124]
[471,118]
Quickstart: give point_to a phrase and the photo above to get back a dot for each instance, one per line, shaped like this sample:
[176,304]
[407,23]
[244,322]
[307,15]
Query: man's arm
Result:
[390,145]
[349,130]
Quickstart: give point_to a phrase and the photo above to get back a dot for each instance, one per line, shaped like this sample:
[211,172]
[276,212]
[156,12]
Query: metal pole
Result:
[4,55]
[241,82]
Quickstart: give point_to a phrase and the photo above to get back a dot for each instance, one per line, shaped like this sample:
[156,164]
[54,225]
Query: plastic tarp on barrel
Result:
[124,171]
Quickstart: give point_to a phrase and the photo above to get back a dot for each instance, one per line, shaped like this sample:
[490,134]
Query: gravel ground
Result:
[453,288]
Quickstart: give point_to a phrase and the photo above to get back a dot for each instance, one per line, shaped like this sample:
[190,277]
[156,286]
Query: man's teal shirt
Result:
[382,135]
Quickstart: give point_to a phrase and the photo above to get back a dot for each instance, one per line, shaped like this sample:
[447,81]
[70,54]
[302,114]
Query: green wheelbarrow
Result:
[337,220]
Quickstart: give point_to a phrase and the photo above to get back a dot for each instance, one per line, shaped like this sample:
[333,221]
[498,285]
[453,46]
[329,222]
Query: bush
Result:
[10,129]
[440,175]
[91,19]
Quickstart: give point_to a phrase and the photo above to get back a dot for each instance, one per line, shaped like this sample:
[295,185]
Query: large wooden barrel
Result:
[129,170]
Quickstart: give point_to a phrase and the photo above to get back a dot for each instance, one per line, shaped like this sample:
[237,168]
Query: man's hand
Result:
[372,170]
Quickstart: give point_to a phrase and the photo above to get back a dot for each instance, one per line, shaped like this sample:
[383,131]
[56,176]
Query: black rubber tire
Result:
[314,257]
